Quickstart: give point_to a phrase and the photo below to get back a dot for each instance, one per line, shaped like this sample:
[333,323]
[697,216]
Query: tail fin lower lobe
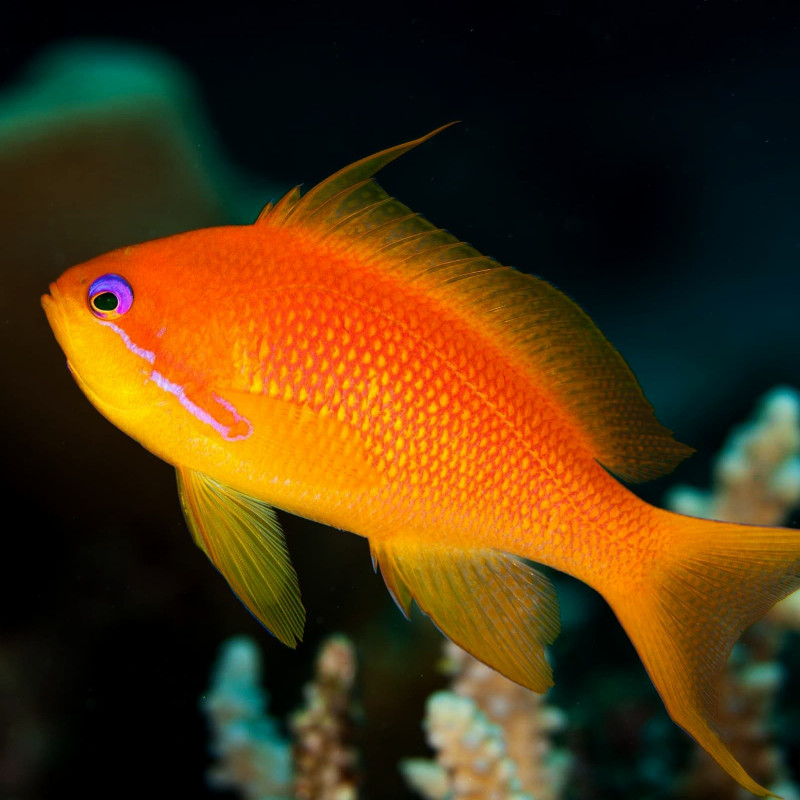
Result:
[714,581]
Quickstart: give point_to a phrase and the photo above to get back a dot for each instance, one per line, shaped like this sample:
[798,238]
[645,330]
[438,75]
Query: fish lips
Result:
[53,308]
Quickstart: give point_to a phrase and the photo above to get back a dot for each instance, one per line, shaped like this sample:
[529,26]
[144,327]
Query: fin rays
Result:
[242,538]
[493,605]
[715,580]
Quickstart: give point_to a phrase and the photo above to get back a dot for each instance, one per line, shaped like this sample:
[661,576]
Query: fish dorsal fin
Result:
[535,324]
[333,191]
[491,604]
[243,539]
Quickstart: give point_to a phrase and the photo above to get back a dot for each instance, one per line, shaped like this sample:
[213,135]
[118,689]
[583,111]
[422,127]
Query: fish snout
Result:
[54,310]
[49,300]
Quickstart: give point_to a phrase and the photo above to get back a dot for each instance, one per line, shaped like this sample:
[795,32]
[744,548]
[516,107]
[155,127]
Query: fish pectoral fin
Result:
[243,539]
[491,604]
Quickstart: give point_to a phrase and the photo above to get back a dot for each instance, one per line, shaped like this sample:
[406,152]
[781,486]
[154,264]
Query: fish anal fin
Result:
[397,588]
[491,604]
[243,539]
[714,581]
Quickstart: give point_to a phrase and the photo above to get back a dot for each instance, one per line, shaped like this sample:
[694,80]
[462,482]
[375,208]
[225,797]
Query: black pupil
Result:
[105,301]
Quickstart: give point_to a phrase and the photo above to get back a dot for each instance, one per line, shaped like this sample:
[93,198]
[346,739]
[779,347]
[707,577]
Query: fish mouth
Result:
[53,305]
[53,308]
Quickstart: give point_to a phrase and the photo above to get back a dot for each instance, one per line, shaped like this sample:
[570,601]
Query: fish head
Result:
[107,321]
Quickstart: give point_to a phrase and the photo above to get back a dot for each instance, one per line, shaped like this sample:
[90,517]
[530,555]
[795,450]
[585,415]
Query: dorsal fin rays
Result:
[531,322]
[354,199]
[365,168]
[273,214]
[353,224]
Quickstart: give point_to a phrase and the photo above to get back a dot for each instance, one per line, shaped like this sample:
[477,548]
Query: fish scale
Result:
[427,449]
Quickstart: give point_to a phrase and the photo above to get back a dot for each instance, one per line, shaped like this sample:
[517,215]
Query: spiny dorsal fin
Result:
[292,207]
[545,332]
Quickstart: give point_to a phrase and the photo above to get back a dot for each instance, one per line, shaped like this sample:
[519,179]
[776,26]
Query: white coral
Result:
[757,475]
[473,763]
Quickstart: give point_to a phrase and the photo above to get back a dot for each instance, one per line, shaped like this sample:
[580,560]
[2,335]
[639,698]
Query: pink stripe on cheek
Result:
[147,355]
[223,430]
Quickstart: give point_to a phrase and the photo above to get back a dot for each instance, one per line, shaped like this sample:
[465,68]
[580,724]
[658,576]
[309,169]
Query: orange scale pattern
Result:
[467,445]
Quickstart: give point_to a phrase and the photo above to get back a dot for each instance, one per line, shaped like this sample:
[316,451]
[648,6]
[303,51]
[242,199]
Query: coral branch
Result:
[471,753]
[757,474]
[324,758]
[492,739]
[251,755]
[253,758]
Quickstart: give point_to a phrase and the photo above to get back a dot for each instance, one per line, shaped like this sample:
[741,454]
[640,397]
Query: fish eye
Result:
[110,296]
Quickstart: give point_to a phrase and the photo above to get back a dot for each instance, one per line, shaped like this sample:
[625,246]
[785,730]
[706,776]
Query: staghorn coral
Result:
[756,480]
[757,474]
[492,737]
[324,758]
[472,760]
[251,754]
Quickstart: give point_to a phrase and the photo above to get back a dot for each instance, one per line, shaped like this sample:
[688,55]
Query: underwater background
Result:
[644,158]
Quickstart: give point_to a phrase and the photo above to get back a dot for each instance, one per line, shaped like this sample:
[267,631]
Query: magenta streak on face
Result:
[237,416]
[147,355]
[179,392]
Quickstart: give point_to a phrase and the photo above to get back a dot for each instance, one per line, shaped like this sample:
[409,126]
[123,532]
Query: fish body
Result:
[347,361]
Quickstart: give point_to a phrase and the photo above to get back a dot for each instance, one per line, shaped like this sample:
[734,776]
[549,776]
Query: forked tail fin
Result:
[714,581]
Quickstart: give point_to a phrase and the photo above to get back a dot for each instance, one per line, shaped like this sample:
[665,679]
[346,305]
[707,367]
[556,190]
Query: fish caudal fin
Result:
[715,580]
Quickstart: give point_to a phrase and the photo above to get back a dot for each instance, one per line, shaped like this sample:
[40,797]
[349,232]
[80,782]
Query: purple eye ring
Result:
[110,296]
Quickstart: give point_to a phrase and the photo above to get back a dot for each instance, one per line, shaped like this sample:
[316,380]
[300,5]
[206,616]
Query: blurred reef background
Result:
[644,158]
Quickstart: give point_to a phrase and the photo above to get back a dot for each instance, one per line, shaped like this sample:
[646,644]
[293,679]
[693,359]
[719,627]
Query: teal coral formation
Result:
[102,144]
[253,757]
[250,753]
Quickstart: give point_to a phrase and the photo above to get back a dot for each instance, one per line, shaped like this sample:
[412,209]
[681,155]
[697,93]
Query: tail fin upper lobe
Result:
[715,579]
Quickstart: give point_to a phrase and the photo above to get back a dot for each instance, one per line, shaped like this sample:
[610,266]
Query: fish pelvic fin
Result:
[713,581]
[493,605]
[242,538]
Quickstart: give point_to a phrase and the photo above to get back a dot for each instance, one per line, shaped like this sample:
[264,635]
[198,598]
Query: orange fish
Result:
[347,361]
